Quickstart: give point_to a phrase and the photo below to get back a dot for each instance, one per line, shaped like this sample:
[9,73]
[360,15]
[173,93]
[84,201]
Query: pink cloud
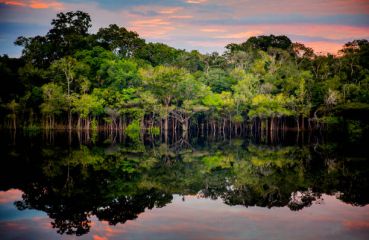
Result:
[148,32]
[150,22]
[196,1]
[213,30]
[180,17]
[172,24]
[336,35]
[208,44]
[305,7]
[10,196]
[15,226]
[169,10]
[35,4]
[333,32]
[152,27]
[42,222]
[324,47]
[243,35]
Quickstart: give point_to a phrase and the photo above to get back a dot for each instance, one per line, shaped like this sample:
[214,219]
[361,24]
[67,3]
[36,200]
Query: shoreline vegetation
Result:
[113,80]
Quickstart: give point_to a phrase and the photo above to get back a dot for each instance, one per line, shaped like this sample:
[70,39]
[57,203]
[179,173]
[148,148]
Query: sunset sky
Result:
[205,25]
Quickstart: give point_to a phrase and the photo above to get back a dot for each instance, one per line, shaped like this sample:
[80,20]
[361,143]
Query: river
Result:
[107,186]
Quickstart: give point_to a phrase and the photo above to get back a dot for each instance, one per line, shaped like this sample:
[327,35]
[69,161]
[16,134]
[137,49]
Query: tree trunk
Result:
[298,124]
[69,120]
[79,123]
[166,118]
[185,126]
[302,123]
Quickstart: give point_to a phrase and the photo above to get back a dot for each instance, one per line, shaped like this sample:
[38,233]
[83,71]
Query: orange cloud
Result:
[356,225]
[10,196]
[97,237]
[36,4]
[14,3]
[113,231]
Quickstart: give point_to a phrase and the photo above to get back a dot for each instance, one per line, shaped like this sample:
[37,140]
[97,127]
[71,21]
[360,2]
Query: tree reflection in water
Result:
[117,182]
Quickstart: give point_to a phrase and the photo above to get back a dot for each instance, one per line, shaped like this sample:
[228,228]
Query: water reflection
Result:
[115,181]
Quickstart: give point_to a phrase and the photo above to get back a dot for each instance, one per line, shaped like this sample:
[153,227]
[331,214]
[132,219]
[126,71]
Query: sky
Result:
[199,218]
[204,25]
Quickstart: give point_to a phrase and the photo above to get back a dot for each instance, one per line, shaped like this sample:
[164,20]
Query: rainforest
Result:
[114,80]
[104,135]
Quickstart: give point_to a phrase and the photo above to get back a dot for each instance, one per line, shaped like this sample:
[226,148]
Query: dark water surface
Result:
[55,186]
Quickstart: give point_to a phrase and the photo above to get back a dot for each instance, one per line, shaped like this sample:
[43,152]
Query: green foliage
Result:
[122,74]
[154,131]
[158,54]
[94,124]
[217,161]
[114,77]
[262,43]
[266,105]
[119,40]
[106,182]
[69,33]
[331,120]
[355,130]
[238,119]
[246,88]
[87,105]
[54,99]
[133,130]
[218,80]
[163,81]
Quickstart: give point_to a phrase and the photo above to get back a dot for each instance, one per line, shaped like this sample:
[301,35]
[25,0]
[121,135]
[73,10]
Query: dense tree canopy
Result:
[71,78]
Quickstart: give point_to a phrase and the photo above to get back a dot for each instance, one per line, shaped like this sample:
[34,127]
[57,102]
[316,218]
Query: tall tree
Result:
[66,70]
[69,33]
[164,83]
[54,103]
[119,40]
